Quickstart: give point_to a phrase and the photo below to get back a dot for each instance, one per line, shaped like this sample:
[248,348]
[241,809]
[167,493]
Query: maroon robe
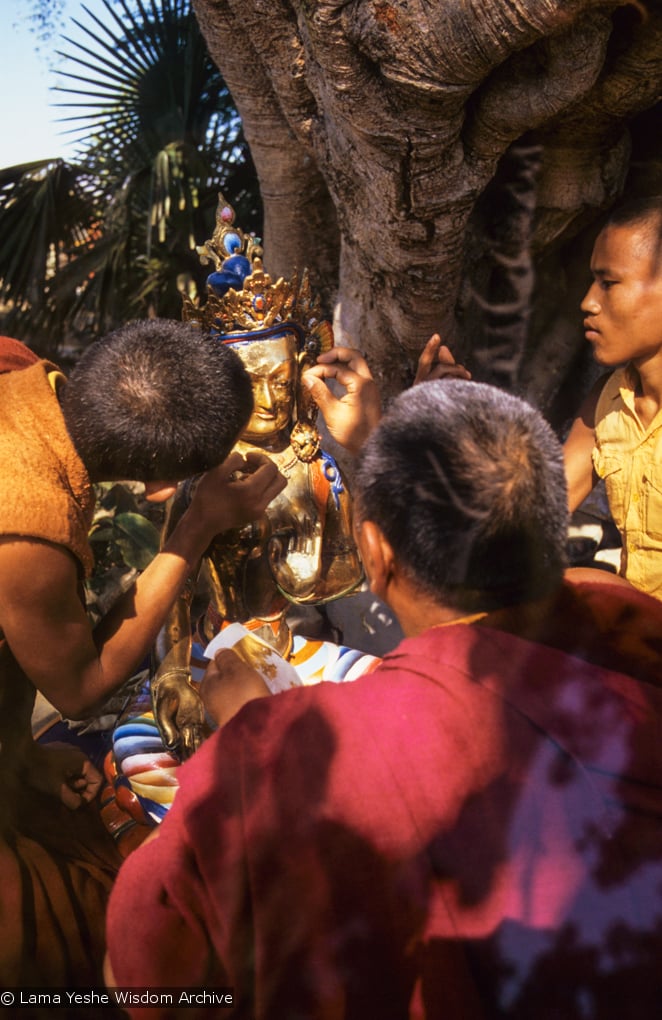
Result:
[472,831]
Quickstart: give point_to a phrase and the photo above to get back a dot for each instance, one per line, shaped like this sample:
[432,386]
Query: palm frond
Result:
[84,247]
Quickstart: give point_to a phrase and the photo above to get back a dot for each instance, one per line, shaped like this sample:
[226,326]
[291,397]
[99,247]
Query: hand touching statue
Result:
[351,417]
[229,497]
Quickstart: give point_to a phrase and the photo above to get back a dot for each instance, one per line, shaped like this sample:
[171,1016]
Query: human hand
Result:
[178,711]
[437,362]
[228,684]
[80,783]
[236,492]
[350,418]
[64,772]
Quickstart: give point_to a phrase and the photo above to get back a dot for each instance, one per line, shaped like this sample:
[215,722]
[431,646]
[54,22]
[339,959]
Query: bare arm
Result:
[45,623]
[578,449]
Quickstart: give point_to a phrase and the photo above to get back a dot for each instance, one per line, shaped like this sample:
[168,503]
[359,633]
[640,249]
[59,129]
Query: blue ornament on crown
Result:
[243,304]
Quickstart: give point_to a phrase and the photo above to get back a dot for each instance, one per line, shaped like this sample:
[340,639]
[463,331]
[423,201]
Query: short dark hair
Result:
[642,211]
[156,400]
[468,486]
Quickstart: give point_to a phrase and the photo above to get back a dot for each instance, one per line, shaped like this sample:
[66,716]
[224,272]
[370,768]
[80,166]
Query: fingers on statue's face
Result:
[271,365]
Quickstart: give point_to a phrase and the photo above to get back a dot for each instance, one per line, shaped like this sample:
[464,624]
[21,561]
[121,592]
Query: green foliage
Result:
[124,536]
[43,210]
[88,245]
[121,534]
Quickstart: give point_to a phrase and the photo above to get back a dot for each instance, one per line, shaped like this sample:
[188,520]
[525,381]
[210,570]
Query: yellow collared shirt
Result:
[628,457]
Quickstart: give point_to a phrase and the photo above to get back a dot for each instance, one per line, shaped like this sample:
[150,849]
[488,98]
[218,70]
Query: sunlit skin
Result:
[272,367]
[623,323]
[623,306]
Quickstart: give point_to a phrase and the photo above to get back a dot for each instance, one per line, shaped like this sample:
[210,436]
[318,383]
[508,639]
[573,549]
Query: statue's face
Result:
[271,364]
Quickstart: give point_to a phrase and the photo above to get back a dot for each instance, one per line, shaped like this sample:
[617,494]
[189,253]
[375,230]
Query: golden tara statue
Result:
[302,551]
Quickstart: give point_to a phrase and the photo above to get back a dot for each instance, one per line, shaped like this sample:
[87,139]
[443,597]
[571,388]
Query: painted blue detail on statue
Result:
[334,478]
[232,243]
[232,273]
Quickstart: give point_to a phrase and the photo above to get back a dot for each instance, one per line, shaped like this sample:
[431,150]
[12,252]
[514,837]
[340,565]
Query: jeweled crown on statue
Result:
[243,304]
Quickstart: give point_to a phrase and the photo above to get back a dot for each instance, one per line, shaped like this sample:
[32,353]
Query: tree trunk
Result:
[444,165]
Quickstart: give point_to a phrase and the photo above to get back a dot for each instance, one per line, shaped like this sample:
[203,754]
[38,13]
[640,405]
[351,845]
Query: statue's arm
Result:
[177,706]
[342,570]
[313,556]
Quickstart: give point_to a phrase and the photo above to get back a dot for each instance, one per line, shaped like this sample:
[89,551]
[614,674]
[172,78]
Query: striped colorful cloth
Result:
[143,773]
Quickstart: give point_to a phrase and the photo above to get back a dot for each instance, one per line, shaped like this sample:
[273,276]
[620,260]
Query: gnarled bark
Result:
[434,161]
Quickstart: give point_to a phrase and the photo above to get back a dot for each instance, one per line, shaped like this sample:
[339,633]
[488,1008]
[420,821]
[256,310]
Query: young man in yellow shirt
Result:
[617,435]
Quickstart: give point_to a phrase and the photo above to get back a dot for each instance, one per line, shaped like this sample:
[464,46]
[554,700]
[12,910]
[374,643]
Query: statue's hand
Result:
[350,418]
[179,712]
[295,559]
[437,362]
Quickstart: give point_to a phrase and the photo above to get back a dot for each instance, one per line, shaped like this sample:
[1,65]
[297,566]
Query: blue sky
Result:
[29,122]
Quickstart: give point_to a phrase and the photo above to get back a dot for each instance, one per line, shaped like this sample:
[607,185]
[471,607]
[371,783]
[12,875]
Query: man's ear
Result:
[377,556]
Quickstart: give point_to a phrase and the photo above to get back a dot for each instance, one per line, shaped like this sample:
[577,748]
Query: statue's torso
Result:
[300,551]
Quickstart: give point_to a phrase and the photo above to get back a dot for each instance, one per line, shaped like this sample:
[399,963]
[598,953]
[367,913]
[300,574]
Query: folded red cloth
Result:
[14,354]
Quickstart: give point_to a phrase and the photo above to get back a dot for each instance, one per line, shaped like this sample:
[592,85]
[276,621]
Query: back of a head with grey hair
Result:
[467,484]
